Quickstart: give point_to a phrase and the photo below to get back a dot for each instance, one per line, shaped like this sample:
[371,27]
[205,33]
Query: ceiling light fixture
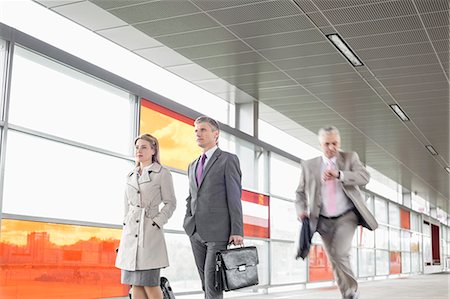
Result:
[342,46]
[396,108]
[431,149]
[447,169]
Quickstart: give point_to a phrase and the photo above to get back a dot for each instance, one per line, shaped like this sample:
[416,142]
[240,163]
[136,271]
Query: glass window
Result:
[394,239]
[382,261]
[248,156]
[382,237]
[175,134]
[3,53]
[415,262]
[181,186]
[320,268]
[182,272]
[285,269]
[49,97]
[406,240]
[369,201]
[255,209]
[415,242]
[283,220]
[284,176]
[290,144]
[381,210]
[405,219]
[263,257]
[366,262]
[50,179]
[74,261]
[395,262]
[394,215]
[246,153]
[366,237]
[415,222]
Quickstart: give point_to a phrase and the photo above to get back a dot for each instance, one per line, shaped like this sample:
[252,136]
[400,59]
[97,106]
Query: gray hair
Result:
[205,119]
[328,130]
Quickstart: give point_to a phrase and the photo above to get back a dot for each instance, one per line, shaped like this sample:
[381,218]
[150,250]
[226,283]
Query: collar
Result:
[154,167]
[325,160]
[210,152]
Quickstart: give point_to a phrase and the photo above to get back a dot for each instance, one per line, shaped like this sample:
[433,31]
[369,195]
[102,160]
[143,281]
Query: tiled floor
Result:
[430,286]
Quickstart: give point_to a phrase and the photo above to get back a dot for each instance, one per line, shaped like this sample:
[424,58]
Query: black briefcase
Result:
[166,289]
[236,268]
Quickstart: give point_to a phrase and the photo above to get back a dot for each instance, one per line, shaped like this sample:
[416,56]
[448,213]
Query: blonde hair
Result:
[153,143]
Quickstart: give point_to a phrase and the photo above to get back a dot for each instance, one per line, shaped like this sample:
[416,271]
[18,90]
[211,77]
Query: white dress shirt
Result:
[343,204]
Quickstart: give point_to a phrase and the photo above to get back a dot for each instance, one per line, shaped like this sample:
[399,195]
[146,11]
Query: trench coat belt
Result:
[135,209]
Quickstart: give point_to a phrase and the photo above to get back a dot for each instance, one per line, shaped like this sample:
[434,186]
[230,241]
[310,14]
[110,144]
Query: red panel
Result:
[404,219]
[395,262]
[168,112]
[255,198]
[43,260]
[256,224]
[256,231]
[435,248]
[320,268]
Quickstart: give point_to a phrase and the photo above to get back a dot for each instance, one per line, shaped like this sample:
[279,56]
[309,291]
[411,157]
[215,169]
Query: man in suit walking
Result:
[213,209]
[328,193]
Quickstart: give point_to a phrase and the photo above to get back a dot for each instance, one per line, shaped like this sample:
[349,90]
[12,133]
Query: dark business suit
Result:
[336,233]
[213,213]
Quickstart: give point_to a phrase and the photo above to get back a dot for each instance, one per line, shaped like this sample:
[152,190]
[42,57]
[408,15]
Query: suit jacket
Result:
[309,196]
[218,208]
[142,245]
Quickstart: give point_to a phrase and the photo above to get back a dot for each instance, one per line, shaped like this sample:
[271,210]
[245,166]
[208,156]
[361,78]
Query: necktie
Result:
[331,192]
[200,166]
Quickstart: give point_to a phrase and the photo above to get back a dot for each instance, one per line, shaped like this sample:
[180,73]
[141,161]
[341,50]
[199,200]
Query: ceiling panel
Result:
[380,26]
[369,12]
[435,19]
[285,39]
[276,52]
[255,12]
[388,39]
[431,6]
[309,61]
[301,50]
[177,25]
[154,10]
[220,48]
[237,70]
[196,38]
[272,26]
[109,4]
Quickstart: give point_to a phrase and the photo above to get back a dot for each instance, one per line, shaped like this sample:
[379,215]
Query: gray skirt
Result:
[148,278]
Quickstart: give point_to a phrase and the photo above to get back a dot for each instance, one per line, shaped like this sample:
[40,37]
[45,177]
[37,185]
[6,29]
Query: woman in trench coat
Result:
[142,250]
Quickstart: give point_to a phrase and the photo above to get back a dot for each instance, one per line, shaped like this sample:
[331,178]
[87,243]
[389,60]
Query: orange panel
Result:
[320,268]
[404,219]
[395,262]
[256,224]
[45,260]
[175,134]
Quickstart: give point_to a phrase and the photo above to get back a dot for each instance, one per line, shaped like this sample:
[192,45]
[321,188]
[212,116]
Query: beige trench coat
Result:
[142,245]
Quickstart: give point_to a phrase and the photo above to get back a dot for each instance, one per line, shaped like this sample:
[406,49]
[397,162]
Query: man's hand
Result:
[236,240]
[330,174]
[302,216]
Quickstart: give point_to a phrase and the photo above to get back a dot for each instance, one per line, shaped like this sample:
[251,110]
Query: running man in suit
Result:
[328,193]
[213,209]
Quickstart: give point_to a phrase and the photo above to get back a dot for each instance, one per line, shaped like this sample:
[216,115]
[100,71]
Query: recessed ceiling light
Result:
[431,149]
[342,46]
[396,108]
